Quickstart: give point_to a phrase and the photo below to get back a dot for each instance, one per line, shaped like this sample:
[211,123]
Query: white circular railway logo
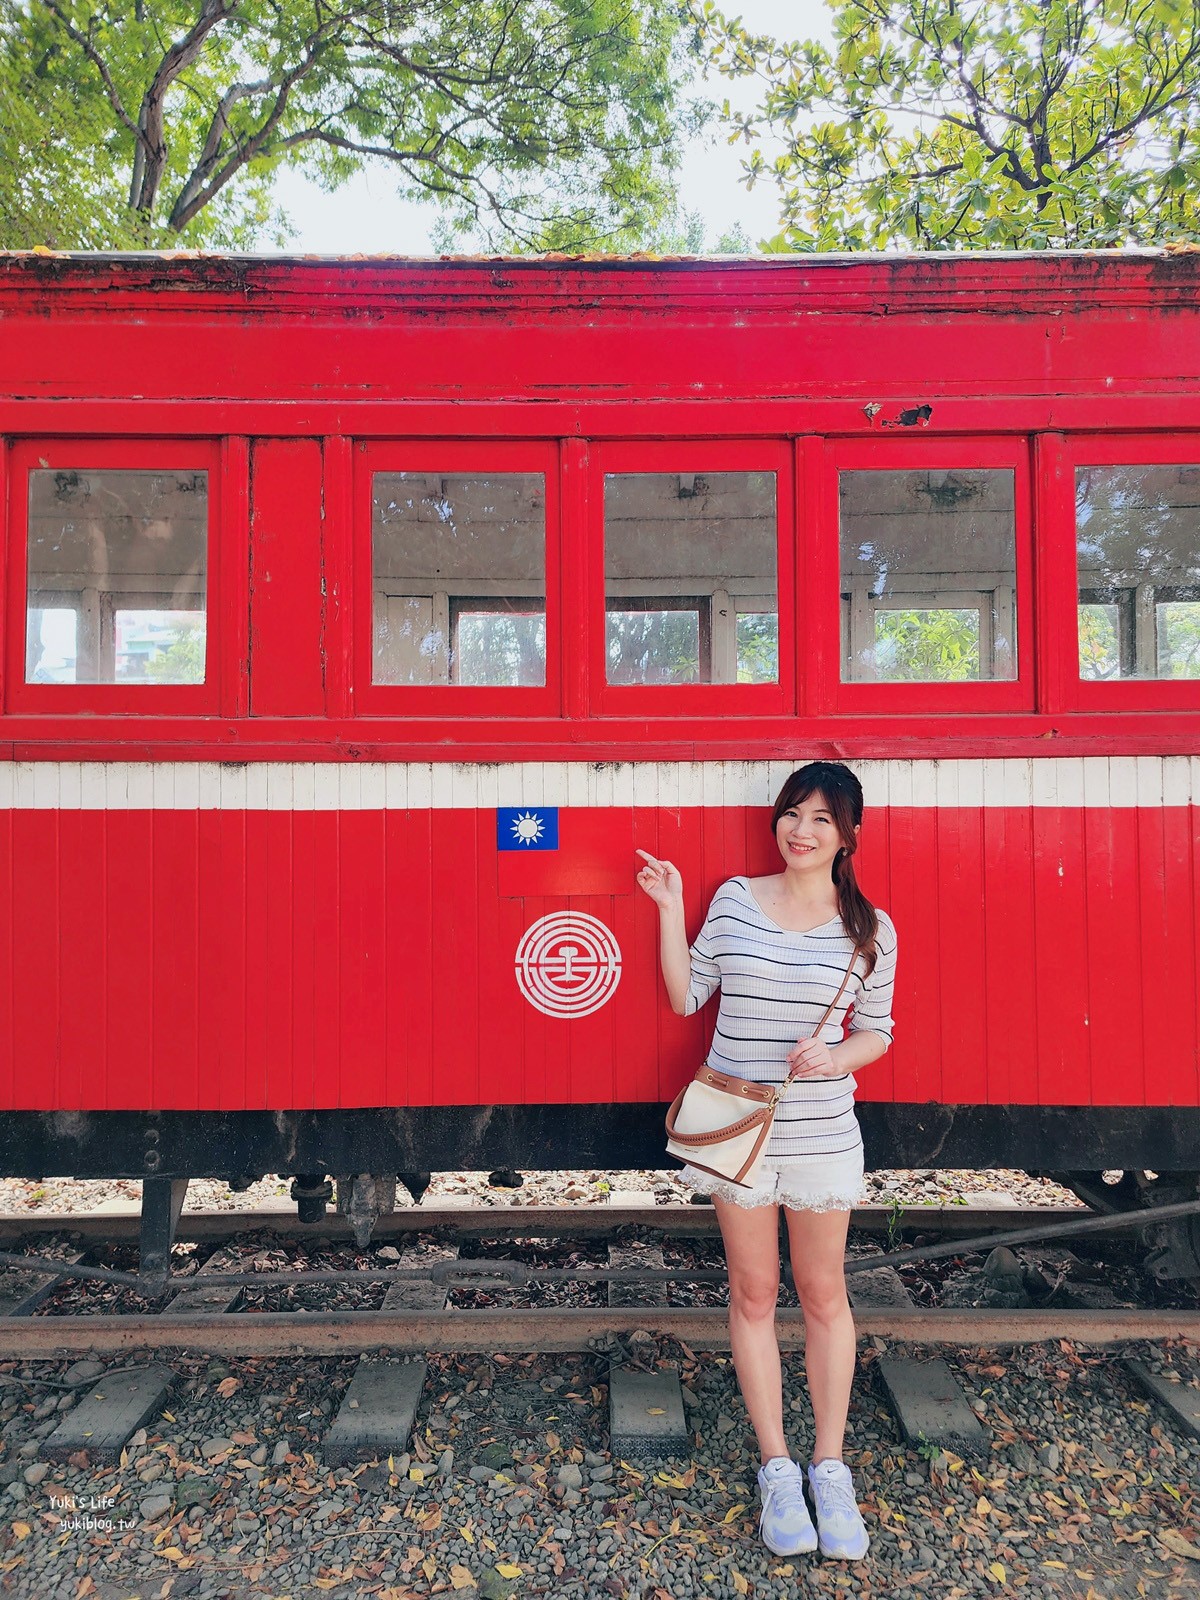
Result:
[568,964]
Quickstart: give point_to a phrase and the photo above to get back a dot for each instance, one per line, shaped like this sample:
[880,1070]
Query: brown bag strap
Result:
[829,1009]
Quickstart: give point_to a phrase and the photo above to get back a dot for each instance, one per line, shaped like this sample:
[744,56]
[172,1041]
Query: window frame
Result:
[446,457]
[219,693]
[693,456]
[1111,450]
[824,543]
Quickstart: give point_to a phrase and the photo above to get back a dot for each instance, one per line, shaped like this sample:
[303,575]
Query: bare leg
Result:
[752,1252]
[817,1243]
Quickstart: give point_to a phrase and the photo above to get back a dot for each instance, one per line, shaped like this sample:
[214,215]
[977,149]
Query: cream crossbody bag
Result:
[719,1123]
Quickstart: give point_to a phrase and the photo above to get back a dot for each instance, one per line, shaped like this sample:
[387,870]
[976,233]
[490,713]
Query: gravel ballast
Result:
[508,1490]
[931,1187]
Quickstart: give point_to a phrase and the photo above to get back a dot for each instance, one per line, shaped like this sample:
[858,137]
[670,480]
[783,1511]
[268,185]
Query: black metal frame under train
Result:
[367,1149]
[244,1145]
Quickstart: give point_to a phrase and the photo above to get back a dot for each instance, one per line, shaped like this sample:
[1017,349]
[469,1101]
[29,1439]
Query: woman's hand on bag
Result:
[813,1060]
[661,881]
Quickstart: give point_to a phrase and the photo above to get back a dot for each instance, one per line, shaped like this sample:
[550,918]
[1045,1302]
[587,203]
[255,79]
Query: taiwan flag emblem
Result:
[527,828]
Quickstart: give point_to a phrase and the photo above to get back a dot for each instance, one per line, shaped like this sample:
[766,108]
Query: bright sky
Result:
[365,215]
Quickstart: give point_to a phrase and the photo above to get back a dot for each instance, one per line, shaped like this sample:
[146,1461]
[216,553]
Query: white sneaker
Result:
[784,1522]
[843,1535]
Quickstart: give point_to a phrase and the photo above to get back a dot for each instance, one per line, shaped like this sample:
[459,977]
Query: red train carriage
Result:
[362,617]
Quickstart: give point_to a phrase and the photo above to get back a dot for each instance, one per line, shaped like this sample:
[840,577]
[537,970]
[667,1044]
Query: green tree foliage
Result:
[940,646]
[976,123]
[543,124]
[179,657]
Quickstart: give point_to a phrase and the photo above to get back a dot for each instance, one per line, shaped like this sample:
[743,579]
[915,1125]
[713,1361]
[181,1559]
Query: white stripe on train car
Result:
[1073,781]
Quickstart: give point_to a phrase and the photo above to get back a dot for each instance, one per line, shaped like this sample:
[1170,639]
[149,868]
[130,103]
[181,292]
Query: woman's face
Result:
[808,838]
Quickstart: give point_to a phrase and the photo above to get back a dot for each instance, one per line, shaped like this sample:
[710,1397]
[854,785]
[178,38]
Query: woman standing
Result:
[778,948]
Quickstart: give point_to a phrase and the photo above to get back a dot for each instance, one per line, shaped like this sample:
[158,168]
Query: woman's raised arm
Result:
[662,882]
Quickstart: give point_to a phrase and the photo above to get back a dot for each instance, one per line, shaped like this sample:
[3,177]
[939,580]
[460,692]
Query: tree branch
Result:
[93,55]
[151,156]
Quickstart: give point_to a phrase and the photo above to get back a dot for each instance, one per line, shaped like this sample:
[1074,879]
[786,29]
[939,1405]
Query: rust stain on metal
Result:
[349,1333]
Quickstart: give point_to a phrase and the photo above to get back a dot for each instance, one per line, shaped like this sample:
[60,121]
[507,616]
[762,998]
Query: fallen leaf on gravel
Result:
[739,1583]
[507,1570]
[734,1511]
[997,1571]
[461,1577]
[243,1438]
[1178,1545]
[20,1530]
[429,1567]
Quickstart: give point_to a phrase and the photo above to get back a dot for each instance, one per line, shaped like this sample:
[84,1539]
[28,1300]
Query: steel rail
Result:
[521,1331]
[528,1221]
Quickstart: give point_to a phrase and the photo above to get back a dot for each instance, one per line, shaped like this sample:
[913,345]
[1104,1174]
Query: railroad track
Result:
[603,1278]
[462,1299]
[531,1221]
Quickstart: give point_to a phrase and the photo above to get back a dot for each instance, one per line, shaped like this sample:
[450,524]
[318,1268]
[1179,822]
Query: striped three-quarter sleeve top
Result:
[775,984]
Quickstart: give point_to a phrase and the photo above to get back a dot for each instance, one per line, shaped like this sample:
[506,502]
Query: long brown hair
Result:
[842,793]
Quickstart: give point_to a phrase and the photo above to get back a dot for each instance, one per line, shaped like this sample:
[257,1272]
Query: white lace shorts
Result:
[831,1183]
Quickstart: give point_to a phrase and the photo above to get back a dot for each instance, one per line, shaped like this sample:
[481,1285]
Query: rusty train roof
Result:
[1008,281]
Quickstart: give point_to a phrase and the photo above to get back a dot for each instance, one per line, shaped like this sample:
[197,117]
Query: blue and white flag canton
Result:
[527,828]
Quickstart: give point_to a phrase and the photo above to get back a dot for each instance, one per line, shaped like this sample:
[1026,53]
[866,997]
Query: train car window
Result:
[928,575]
[1138,552]
[116,577]
[459,578]
[690,578]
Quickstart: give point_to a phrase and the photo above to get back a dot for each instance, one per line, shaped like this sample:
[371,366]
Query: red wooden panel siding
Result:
[230,958]
[284,1052]
[917,1072]
[957,856]
[453,933]
[325,996]
[286,608]
[1060,961]
[1114,964]
[296,1079]
[81,970]
[8,943]
[36,867]
[499,1058]
[174,1035]
[261,913]
[363,990]
[1173,1059]
[1155,1045]
[877,1082]
[410,889]
[130,938]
